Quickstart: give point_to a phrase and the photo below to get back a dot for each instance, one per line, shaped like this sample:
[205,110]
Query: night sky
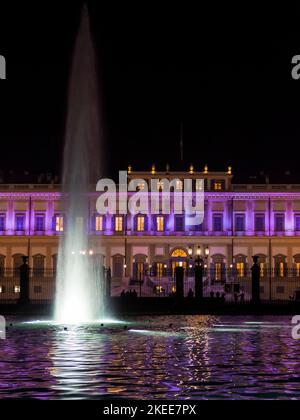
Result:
[225,73]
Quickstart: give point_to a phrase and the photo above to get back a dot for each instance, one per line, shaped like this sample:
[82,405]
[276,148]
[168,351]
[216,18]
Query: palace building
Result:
[240,221]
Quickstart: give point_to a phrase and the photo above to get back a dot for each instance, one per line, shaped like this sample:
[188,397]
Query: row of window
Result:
[197,185]
[159,222]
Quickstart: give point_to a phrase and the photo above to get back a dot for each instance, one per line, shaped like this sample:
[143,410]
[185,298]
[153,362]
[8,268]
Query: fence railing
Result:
[41,285]
[223,285]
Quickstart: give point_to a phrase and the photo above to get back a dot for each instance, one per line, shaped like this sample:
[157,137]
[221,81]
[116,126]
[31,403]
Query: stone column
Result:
[9,262]
[108,257]
[250,217]
[129,259]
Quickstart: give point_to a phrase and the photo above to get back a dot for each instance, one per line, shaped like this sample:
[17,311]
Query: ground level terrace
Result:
[136,256]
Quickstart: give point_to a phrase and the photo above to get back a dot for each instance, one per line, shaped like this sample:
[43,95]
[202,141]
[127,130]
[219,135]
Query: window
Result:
[141,186]
[37,289]
[297,223]
[218,185]
[160,186]
[58,223]
[140,223]
[16,289]
[262,269]
[297,266]
[179,253]
[240,267]
[218,222]
[199,184]
[178,184]
[20,222]
[39,222]
[260,222]
[218,271]
[159,269]
[279,222]
[99,223]
[2,222]
[38,263]
[118,223]
[160,223]
[240,222]
[179,223]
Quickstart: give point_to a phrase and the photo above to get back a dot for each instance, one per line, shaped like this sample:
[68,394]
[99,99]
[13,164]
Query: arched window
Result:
[297,265]
[240,264]
[139,266]
[2,264]
[280,265]
[218,267]
[262,261]
[118,266]
[179,253]
[38,264]
[17,261]
[54,262]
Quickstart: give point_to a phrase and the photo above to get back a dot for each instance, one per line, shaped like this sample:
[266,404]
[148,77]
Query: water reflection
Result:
[171,357]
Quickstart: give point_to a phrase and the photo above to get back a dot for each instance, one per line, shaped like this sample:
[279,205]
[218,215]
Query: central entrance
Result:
[179,257]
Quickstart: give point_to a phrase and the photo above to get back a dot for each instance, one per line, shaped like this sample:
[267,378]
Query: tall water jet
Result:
[79,275]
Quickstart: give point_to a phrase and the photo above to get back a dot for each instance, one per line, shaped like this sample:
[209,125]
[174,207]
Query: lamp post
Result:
[199,266]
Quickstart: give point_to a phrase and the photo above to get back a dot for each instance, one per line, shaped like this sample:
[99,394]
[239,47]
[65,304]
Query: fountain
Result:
[79,280]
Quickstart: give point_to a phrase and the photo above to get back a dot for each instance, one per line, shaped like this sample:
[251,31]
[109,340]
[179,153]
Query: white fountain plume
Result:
[79,297]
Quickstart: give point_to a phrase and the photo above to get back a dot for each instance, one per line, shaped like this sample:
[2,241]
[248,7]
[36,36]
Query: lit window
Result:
[199,185]
[1,289]
[218,186]
[59,223]
[140,225]
[159,269]
[298,269]
[179,253]
[141,186]
[118,223]
[178,185]
[160,186]
[218,271]
[262,269]
[240,269]
[99,223]
[17,289]
[160,224]
[281,269]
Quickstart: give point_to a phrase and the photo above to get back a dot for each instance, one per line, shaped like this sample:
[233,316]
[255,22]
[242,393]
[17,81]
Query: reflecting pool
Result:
[170,357]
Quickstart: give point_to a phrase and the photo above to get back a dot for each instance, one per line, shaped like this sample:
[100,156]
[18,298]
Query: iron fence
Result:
[224,285]
[41,285]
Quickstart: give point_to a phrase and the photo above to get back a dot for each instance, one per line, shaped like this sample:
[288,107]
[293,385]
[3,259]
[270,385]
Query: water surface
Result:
[170,357]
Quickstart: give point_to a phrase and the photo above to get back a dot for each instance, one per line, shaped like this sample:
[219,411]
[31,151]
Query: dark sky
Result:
[225,73]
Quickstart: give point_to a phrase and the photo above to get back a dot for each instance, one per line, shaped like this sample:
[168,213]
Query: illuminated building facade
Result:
[240,221]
